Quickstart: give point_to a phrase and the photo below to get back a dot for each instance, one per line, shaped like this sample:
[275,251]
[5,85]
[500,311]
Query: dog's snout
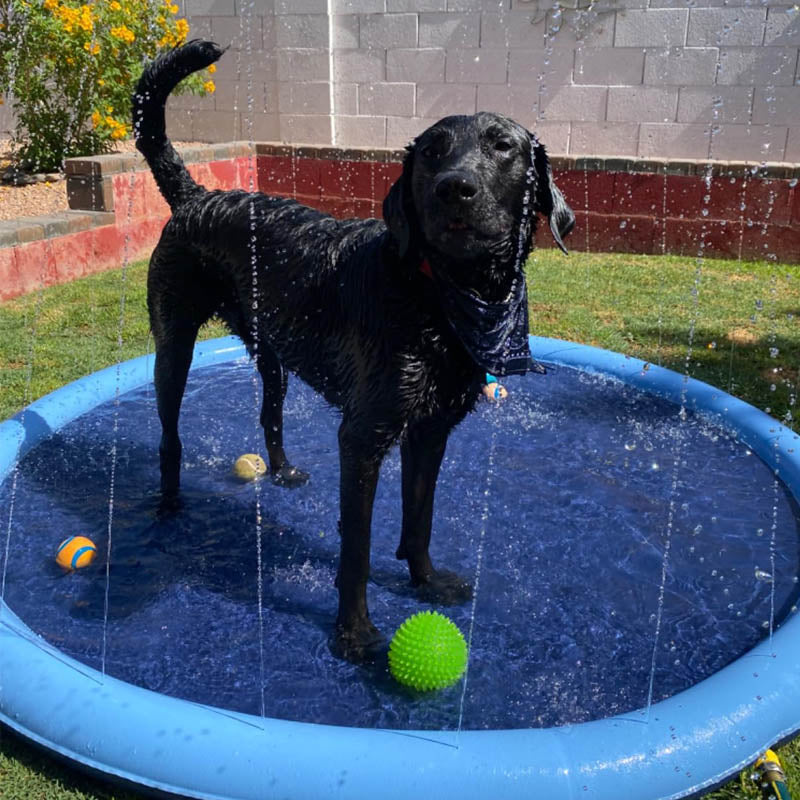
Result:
[456,187]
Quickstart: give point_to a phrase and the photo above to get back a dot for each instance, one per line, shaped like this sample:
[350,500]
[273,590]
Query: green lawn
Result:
[731,324]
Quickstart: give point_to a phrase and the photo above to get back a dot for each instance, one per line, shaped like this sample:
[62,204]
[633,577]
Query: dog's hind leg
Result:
[421,456]
[173,359]
[275,380]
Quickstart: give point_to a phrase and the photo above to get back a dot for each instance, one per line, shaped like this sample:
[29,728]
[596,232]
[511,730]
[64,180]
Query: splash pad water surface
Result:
[555,606]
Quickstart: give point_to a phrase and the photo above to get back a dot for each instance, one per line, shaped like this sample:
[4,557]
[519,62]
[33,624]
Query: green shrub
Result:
[70,67]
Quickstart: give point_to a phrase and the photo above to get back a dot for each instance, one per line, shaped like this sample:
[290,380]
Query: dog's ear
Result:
[549,200]
[399,212]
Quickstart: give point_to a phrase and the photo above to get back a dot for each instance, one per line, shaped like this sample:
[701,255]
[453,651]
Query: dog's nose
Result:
[456,187]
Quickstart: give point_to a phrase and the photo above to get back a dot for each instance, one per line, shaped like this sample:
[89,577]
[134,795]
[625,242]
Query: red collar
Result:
[425,268]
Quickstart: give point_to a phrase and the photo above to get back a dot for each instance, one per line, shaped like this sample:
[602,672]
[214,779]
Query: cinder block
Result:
[215,126]
[757,66]
[573,103]
[237,32]
[384,99]
[302,30]
[651,28]
[259,65]
[449,30]
[478,65]
[750,143]
[210,8]
[605,138]
[301,6]
[306,128]
[304,98]
[345,98]
[90,193]
[783,27]
[684,66]
[416,66]
[478,5]
[359,6]
[673,140]
[262,126]
[179,124]
[717,27]
[383,31]
[586,28]
[402,130]
[360,131]
[513,29]
[777,106]
[358,66]
[439,100]
[260,7]
[642,104]
[200,27]
[303,65]
[715,105]
[416,5]
[519,103]
[346,28]
[609,66]
[533,67]
[793,146]
[236,96]
[553,135]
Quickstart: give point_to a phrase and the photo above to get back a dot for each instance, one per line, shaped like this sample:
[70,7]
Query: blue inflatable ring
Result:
[684,745]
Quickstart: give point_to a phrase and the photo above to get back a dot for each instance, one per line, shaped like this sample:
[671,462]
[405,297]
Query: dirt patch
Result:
[743,336]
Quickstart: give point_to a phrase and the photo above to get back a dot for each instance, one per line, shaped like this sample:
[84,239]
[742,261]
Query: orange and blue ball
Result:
[76,552]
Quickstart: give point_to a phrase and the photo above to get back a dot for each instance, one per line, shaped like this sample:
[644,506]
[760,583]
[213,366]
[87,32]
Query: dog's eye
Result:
[503,145]
[431,151]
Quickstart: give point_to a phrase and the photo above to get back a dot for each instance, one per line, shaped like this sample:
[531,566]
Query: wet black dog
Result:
[393,323]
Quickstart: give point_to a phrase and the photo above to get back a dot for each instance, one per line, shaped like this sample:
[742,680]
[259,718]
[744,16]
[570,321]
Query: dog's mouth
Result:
[457,225]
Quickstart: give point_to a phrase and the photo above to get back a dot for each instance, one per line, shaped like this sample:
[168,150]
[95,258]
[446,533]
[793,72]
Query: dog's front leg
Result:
[275,380]
[356,638]
[421,453]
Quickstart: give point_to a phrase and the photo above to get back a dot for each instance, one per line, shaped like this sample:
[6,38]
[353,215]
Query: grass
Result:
[728,323]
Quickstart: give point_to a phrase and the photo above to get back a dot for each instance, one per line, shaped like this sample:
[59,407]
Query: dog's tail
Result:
[149,100]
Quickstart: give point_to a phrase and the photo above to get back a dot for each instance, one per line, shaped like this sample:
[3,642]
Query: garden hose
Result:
[771,777]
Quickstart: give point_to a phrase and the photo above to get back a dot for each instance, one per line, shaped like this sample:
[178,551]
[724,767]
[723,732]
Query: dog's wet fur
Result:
[344,305]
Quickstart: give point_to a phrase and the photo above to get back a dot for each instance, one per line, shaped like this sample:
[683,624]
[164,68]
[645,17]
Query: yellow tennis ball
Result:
[249,467]
[76,552]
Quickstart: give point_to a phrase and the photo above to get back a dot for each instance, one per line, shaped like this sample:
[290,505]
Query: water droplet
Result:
[761,575]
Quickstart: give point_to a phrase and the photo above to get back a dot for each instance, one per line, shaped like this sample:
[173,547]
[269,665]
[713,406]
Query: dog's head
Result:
[462,191]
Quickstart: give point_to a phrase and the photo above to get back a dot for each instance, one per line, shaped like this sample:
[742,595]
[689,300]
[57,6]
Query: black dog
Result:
[393,323]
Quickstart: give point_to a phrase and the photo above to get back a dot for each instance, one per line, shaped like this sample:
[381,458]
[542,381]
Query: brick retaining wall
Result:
[728,209]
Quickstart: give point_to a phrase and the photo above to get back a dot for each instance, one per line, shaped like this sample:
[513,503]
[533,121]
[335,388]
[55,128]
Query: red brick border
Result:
[690,208]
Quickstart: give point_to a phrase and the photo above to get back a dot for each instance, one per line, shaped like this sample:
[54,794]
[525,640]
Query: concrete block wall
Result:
[633,78]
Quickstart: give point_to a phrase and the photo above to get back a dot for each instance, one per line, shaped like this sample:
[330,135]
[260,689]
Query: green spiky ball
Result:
[427,652]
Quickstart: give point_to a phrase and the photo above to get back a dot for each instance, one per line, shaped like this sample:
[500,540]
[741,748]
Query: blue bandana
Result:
[494,334]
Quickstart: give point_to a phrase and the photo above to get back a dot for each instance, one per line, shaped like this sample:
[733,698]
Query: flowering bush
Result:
[70,68]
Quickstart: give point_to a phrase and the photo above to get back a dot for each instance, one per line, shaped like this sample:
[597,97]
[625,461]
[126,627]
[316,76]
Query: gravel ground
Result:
[40,198]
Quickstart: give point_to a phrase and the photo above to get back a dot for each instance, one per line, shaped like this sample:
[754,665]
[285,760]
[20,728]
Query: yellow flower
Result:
[109,109]
[94,49]
[123,33]
[114,5]
[209,87]
[181,30]
[70,60]
[50,4]
[96,118]
[173,9]
[101,82]
[212,68]
[119,132]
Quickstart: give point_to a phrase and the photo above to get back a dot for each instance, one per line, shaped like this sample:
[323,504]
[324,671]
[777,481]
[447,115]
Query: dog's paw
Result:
[444,588]
[359,645]
[289,477]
